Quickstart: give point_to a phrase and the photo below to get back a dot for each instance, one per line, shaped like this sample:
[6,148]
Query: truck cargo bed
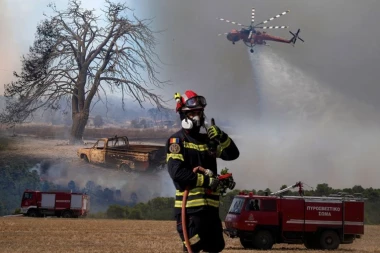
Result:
[123,155]
[140,148]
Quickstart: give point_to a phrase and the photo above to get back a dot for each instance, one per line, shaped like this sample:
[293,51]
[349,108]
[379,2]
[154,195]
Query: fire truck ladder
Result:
[298,184]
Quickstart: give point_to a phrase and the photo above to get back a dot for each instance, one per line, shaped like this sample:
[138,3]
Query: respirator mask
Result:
[189,122]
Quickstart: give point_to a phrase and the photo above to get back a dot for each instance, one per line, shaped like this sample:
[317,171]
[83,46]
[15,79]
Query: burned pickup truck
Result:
[117,152]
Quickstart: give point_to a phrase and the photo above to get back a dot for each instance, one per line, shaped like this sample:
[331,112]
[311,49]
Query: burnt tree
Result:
[76,59]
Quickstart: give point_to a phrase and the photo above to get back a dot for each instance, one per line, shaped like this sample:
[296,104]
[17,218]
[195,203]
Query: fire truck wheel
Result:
[263,240]
[85,158]
[329,240]
[247,243]
[66,214]
[32,213]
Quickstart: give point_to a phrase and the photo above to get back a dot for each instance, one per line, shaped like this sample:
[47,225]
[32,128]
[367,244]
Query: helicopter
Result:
[251,36]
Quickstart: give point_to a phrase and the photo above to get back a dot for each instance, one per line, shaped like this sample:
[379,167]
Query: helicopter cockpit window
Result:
[245,31]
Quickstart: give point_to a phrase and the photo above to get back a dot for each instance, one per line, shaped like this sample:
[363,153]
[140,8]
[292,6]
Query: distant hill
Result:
[112,112]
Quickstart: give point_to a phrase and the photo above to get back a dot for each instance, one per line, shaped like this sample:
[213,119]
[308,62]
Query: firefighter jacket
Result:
[184,153]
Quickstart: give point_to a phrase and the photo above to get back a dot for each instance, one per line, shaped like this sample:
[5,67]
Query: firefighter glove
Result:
[213,183]
[209,173]
[214,132]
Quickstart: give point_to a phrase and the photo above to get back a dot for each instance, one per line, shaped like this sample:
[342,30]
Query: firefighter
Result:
[186,150]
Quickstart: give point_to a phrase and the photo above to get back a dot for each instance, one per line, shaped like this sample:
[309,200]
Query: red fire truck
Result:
[317,222]
[60,204]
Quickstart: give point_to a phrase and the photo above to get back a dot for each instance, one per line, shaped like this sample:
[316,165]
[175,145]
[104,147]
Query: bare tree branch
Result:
[73,57]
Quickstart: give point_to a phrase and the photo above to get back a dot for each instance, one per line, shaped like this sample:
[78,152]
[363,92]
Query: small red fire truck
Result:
[317,222]
[60,204]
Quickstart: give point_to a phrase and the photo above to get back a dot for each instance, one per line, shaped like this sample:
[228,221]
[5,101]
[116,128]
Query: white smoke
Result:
[305,132]
[145,185]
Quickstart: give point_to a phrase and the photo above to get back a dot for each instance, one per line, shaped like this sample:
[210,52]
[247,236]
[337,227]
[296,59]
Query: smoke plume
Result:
[145,185]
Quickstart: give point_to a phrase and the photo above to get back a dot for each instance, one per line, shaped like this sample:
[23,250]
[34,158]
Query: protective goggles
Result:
[196,102]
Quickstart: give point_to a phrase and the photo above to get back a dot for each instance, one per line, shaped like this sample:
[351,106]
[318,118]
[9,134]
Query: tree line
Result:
[18,175]
[164,206]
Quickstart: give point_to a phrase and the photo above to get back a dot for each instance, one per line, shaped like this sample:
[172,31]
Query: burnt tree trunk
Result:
[79,124]
[80,112]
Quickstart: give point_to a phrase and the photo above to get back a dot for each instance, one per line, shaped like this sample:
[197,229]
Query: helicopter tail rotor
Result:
[295,37]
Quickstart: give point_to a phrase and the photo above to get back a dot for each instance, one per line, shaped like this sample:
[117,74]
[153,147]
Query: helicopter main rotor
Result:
[252,28]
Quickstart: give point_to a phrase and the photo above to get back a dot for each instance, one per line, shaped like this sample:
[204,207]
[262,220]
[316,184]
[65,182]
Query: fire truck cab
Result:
[316,222]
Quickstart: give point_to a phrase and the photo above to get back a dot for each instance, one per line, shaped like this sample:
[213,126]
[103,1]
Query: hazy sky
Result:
[308,112]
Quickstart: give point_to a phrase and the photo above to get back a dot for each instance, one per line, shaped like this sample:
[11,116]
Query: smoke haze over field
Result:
[305,113]
[61,173]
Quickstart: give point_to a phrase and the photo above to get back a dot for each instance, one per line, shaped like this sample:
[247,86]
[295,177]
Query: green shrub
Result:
[135,214]
[116,212]
[98,215]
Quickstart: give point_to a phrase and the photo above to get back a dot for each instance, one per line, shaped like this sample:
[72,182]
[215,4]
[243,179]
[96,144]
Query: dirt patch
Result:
[90,235]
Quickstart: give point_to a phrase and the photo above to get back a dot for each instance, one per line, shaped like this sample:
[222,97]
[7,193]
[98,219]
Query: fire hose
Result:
[183,217]
[226,181]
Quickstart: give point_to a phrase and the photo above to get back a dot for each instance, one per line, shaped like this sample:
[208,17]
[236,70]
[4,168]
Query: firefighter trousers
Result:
[205,231]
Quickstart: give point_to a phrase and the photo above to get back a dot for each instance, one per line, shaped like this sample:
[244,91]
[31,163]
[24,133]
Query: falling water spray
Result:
[306,131]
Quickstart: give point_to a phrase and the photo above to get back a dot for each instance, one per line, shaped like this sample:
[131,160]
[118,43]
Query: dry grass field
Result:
[21,234]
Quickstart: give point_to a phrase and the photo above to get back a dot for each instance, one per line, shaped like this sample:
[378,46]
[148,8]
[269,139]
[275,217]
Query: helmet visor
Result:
[198,101]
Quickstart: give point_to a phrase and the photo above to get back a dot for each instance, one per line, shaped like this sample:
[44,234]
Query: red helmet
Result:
[189,101]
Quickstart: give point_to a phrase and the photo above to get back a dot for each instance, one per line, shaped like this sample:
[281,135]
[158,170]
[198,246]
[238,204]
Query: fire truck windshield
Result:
[28,195]
[236,205]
